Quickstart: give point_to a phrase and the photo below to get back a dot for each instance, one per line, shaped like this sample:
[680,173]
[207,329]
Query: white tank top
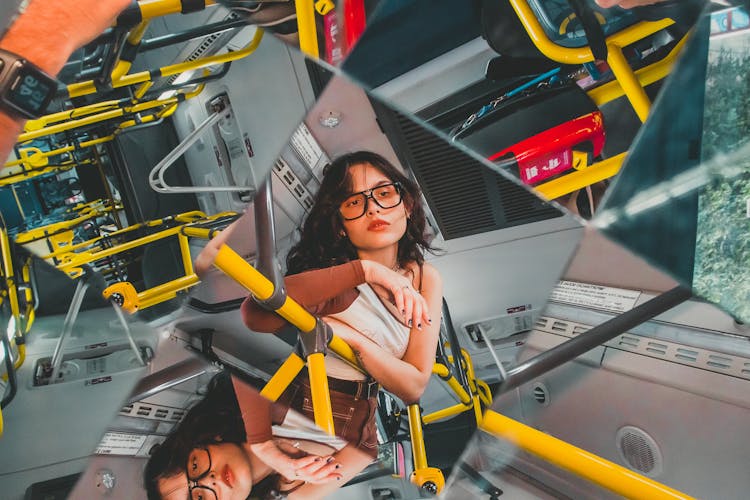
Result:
[368,315]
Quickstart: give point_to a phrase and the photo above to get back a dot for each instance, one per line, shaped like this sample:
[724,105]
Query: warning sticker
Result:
[606,298]
[306,147]
[120,443]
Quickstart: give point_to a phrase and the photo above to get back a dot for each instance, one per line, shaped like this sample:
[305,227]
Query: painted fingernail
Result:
[410,322]
[429,320]
[317,459]
[419,326]
[330,459]
[338,466]
[338,478]
[403,311]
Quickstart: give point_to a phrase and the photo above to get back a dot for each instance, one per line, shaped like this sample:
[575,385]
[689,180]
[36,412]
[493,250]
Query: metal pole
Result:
[70,318]
[169,377]
[569,350]
[265,232]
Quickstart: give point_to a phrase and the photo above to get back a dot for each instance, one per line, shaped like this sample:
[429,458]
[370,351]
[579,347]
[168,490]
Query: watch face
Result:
[30,91]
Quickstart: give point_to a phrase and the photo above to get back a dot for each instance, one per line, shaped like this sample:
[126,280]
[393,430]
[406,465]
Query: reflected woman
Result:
[360,266]
[224,449]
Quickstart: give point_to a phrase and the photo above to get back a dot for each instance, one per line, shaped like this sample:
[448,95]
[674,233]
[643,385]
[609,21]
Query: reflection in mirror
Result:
[489,232]
[684,196]
[558,113]
[69,356]
[637,398]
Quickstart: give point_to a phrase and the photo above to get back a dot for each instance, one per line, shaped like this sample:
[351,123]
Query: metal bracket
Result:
[315,341]
[220,109]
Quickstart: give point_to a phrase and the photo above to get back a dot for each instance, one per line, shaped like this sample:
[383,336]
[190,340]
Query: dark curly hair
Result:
[322,244]
[213,420]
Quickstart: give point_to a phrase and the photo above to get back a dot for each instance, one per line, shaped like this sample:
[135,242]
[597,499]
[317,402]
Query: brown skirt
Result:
[353,419]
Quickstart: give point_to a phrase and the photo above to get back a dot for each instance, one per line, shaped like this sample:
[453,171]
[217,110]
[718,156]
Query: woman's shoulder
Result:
[426,276]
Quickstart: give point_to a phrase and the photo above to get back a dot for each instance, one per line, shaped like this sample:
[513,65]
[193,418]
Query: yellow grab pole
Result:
[646,76]
[628,81]
[580,55]
[246,275]
[187,261]
[581,178]
[283,377]
[321,397]
[602,472]
[231,263]
[308,33]
[417,437]
[442,371]
[89,87]
[444,413]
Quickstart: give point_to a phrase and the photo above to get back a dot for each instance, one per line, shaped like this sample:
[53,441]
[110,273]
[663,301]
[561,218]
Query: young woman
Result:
[224,449]
[360,266]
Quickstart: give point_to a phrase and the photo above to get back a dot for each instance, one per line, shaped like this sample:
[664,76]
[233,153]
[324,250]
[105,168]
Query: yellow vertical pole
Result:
[417,437]
[321,399]
[628,81]
[308,33]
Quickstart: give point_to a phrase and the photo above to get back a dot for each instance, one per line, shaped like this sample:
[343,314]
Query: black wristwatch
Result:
[25,90]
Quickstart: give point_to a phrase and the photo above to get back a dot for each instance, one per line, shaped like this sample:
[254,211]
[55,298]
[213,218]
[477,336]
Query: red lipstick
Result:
[377,225]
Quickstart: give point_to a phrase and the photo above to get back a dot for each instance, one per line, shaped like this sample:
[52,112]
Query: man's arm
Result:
[46,34]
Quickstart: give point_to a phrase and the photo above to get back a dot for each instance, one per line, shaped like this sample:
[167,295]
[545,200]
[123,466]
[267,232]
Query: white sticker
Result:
[120,443]
[595,296]
[306,147]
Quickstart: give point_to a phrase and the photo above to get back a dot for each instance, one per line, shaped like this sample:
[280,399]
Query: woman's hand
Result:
[311,468]
[408,301]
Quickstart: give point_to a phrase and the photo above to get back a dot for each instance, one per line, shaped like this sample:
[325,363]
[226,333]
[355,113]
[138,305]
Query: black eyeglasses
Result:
[198,467]
[385,196]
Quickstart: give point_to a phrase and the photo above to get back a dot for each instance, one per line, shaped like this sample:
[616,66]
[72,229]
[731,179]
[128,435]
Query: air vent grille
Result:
[465,196]
[677,353]
[639,451]
[207,47]
[152,412]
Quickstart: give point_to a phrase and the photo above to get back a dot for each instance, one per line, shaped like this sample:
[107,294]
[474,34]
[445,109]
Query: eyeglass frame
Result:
[193,483]
[368,196]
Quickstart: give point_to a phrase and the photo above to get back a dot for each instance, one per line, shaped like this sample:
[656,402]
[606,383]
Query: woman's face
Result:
[378,227]
[223,471]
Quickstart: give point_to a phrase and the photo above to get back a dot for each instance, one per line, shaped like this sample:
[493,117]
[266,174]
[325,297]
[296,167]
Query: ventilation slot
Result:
[577,330]
[686,355]
[541,394]
[746,370]
[559,326]
[541,323]
[465,196]
[283,171]
[721,362]
[206,45]
[656,348]
[629,342]
[639,451]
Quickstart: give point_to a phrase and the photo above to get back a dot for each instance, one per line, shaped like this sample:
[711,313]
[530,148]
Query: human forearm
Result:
[395,375]
[46,34]
[319,291]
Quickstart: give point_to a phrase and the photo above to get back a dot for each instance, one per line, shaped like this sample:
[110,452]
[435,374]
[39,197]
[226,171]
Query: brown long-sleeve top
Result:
[258,413]
[321,292]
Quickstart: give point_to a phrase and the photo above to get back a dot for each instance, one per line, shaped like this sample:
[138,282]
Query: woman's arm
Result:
[407,377]
[256,415]
[352,461]
[320,292]
[46,34]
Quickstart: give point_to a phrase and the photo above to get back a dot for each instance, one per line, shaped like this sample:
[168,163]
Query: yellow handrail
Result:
[108,115]
[89,87]
[623,72]
[599,471]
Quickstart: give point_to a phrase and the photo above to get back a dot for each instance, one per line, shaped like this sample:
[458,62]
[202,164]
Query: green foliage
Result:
[722,257]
